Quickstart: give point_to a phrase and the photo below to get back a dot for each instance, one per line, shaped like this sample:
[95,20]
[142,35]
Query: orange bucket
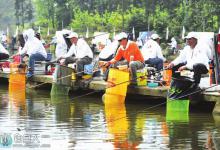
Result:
[167,74]
[17,78]
[13,67]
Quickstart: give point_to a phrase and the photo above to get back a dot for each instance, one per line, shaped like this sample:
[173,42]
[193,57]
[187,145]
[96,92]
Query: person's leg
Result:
[32,59]
[157,62]
[123,62]
[69,60]
[106,59]
[119,63]
[134,66]
[175,68]
[198,70]
[80,65]
[3,56]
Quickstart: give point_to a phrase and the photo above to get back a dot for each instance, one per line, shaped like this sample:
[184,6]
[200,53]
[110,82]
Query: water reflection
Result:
[4,101]
[64,109]
[88,123]
[17,97]
[116,119]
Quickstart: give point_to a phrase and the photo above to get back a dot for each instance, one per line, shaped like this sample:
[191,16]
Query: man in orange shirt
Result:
[128,54]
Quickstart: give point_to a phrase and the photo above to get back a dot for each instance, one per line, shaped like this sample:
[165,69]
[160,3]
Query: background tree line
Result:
[107,15]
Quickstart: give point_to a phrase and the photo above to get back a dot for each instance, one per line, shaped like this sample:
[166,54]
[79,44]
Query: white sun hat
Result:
[121,36]
[155,36]
[73,34]
[191,35]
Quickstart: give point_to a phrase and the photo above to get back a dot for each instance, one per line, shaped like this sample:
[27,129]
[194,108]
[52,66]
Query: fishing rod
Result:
[40,84]
[197,91]
[92,92]
[94,70]
[148,108]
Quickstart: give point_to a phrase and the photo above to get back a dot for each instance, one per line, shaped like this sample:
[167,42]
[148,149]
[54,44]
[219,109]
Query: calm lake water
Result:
[38,120]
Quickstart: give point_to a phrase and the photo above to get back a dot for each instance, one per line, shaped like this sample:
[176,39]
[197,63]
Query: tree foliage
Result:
[23,11]
[105,15]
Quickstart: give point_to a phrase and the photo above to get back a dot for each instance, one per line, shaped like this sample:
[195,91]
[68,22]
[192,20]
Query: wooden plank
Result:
[160,91]
[98,85]
[43,78]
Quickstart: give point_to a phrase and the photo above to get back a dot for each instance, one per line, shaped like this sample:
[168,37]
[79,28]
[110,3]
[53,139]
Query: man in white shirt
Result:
[61,45]
[195,56]
[152,52]
[34,49]
[79,53]
[109,51]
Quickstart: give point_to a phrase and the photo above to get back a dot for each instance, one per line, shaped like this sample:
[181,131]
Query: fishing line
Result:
[90,93]
[197,91]
[116,85]
[32,87]
[94,70]
[148,108]
[96,91]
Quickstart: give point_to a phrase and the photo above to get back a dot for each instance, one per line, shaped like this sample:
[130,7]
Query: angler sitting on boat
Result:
[152,52]
[62,47]
[79,53]
[4,54]
[34,49]
[128,54]
[108,51]
[195,56]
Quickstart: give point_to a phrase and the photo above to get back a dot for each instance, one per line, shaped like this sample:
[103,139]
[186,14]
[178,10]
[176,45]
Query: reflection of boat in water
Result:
[116,119]
[17,97]
[177,116]
[112,99]
[127,133]
[64,109]
[59,90]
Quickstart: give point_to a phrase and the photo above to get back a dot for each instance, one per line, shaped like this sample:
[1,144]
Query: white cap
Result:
[155,36]
[65,31]
[73,34]
[191,35]
[121,36]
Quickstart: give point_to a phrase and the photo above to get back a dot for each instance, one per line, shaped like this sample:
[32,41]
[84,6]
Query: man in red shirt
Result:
[128,54]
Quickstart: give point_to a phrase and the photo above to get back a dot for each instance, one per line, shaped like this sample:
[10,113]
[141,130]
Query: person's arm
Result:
[117,57]
[23,50]
[181,58]
[159,53]
[137,53]
[70,52]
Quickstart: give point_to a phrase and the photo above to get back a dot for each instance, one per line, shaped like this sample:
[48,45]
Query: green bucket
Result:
[178,105]
[58,89]
[177,110]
